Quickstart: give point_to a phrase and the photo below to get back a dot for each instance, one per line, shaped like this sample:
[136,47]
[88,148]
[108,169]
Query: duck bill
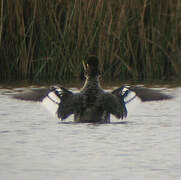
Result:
[85,65]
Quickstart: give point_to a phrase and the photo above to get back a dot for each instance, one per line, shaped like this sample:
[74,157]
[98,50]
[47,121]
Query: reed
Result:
[48,39]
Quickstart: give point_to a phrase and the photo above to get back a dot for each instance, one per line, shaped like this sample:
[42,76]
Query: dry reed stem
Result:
[50,38]
[1,20]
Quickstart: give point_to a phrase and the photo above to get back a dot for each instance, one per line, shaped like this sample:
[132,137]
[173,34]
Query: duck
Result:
[92,104]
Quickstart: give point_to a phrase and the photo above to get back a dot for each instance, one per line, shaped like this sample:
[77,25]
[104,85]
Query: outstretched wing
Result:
[32,95]
[146,94]
[114,104]
[55,99]
[69,102]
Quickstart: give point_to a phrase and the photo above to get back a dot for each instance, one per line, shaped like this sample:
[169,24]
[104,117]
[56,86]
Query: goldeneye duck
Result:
[92,104]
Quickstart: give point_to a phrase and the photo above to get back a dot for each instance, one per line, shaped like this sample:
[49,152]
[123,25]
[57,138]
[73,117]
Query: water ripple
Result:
[34,144]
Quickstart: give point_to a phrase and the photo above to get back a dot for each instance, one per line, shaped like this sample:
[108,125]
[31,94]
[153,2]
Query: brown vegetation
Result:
[48,39]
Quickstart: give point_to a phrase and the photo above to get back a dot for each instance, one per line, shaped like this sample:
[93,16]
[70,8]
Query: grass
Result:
[48,39]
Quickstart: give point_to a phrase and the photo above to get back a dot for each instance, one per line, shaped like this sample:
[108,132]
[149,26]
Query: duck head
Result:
[91,67]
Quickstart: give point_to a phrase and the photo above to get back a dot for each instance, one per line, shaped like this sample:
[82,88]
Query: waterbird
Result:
[92,104]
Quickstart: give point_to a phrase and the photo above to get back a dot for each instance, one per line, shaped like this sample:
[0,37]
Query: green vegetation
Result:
[48,39]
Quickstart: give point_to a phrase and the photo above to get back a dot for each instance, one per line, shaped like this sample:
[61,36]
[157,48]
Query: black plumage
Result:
[92,103]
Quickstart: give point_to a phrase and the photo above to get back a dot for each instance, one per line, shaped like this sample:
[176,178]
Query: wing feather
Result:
[32,94]
[114,104]
[70,103]
[146,94]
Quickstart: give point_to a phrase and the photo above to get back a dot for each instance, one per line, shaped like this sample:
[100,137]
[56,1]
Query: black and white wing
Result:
[69,103]
[145,94]
[114,104]
[57,100]
[66,101]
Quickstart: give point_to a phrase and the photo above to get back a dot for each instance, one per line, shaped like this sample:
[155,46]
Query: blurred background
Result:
[46,40]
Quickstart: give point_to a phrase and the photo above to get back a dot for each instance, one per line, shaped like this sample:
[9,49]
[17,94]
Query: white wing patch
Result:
[128,94]
[51,101]
[126,88]
[131,96]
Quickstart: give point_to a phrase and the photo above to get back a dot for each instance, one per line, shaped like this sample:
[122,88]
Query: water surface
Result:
[34,145]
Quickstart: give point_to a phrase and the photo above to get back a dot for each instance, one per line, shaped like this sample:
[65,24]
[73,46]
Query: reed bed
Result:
[48,39]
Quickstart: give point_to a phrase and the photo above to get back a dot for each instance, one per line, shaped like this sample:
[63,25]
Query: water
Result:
[34,145]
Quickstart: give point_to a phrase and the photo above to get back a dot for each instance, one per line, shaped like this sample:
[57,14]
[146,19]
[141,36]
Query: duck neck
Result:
[92,82]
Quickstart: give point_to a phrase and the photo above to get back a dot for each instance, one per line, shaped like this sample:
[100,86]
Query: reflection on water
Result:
[36,145]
